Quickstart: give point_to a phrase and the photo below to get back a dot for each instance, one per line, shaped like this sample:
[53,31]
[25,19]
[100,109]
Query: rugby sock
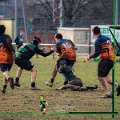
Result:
[4,86]
[52,80]
[3,90]
[17,79]
[33,84]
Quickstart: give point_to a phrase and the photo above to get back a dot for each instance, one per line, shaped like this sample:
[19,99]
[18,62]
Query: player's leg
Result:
[54,73]
[104,68]
[18,75]
[21,63]
[33,78]
[6,73]
[109,80]
[4,87]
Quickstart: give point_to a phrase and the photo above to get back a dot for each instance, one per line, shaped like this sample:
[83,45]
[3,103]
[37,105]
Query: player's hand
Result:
[86,60]
[53,48]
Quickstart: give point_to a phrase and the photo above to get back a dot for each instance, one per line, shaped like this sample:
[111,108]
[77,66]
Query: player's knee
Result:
[62,65]
[33,69]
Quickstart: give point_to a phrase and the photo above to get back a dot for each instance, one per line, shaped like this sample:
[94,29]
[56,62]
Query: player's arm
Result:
[44,54]
[63,52]
[96,53]
[8,44]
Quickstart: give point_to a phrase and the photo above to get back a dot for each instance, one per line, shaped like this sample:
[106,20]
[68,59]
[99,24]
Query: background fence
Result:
[43,17]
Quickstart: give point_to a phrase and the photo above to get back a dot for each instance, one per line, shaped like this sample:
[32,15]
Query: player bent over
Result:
[23,56]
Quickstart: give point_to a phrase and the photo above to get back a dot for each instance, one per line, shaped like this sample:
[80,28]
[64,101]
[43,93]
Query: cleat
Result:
[118,90]
[107,96]
[11,81]
[50,84]
[81,89]
[92,87]
[17,84]
[34,88]
[3,90]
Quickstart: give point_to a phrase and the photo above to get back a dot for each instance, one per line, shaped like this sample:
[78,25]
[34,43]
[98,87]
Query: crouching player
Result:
[74,83]
[23,56]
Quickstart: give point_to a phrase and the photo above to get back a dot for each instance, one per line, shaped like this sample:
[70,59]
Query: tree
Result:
[47,15]
[71,9]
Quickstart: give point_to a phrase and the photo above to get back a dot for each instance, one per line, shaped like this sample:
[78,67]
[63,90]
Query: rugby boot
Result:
[11,81]
[50,84]
[107,96]
[17,84]
[3,90]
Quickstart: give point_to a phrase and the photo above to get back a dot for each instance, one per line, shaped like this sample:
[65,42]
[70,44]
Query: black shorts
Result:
[23,63]
[104,67]
[69,62]
[6,67]
[77,82]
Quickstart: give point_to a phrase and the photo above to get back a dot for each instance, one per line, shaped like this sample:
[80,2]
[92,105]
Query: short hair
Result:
[96,30]
[58,36]
[20,31]
[2,29]
[36,40]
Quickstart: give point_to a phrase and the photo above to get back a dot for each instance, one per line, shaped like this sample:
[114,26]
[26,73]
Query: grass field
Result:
[23,103]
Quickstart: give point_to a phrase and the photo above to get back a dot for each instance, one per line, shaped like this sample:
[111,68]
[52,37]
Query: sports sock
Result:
[17,79]
[4,86]
[52,80]
[33,84]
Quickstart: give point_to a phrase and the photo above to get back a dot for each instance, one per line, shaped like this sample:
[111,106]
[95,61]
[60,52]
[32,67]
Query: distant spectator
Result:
[7,53]
[19,39]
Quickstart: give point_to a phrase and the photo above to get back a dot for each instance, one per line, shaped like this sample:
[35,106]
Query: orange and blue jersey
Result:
[5,55]
[104,48]
[65,50]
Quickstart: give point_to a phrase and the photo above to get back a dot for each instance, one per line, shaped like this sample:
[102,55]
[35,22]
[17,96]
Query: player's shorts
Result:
[23,63]
[104,67]
[77,82]
[5,67]
[68,62]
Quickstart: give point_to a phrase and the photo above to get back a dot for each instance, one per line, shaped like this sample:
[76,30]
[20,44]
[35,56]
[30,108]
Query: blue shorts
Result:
[6,67]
